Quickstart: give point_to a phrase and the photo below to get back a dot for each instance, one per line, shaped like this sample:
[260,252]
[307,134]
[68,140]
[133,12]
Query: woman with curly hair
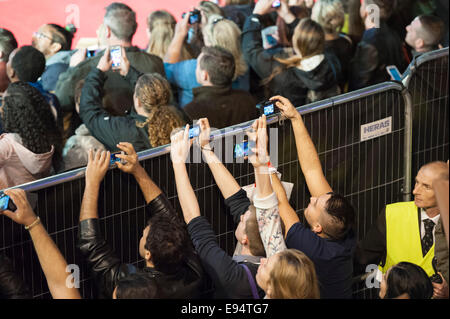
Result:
[33,141]
[150,122]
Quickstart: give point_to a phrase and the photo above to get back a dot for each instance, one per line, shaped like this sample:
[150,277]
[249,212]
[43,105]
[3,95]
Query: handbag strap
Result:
[252,282]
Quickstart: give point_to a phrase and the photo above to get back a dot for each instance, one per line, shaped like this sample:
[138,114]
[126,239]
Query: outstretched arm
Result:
[52,261]
[132,166]
[307,154]
[225,181]
[173,54]
[265,200]
[260,158]
[287,213]
[96,169]
[179,151]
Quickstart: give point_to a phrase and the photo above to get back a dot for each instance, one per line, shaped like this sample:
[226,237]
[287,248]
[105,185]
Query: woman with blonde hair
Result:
[309,75]
[217,32]
[160,31]
[223,33]
[330,15]
[150,122]
[289,274]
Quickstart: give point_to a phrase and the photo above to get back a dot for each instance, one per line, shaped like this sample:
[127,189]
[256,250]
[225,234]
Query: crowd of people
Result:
[62,109]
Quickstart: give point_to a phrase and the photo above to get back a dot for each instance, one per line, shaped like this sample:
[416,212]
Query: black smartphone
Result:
[194,131]
[6,203]
[194,16]
[116,56]
[114,158]
[267,107]
[435,278]
[241,150]
[90,53]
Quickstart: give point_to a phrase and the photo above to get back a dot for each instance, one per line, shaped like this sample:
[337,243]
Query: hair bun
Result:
[71,28]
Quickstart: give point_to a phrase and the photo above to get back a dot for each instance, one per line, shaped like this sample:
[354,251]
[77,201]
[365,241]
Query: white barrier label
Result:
[376,129]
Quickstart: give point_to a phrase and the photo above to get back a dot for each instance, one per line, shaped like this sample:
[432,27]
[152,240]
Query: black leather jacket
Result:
[379,48]
[107,269]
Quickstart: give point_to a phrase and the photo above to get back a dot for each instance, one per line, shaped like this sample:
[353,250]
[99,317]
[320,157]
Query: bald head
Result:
[439,169]
[424,196]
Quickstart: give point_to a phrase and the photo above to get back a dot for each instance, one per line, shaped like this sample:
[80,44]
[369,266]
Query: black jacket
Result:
[11,285]
[292,83]
[110,130]
[343,49]
[107,269]
[223,106]
[238,13]
[379,48]
[228,275]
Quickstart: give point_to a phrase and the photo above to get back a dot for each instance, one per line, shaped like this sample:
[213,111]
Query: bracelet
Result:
[37,221]
[206,149]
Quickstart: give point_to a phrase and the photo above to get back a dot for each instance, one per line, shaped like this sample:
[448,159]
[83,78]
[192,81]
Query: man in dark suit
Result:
[407,231]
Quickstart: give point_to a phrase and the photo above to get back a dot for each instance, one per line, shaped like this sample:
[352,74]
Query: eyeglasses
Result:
[40,35]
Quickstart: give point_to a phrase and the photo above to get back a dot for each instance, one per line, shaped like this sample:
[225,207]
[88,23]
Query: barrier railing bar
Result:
[416,62]
[230,131]
[408,145]
[431,56]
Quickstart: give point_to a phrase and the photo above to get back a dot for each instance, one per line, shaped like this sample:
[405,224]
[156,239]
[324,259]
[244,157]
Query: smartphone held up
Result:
[6,203]
[268,107]
[116,56]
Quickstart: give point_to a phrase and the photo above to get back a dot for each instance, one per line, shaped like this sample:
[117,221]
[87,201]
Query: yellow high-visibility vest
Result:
[403,238]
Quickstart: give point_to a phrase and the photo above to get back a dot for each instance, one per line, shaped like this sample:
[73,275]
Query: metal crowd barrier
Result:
[428,84]
[371,173]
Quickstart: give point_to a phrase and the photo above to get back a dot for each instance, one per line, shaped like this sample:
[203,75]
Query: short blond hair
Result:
[329,14]
[293,277]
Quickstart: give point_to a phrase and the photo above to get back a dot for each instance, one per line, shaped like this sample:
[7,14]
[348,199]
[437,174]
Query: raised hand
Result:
[124,64]
[259,155]
[97,167]
[105,62]
[24,214]
[205,133]
[263,6]
[131,164]
[286,107]
[179,149]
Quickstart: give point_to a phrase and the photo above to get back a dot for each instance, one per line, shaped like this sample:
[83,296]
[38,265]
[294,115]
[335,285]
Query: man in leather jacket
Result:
[172,268]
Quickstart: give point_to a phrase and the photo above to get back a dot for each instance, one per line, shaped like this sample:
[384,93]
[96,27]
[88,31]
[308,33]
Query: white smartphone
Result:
[394,72]
[116,56]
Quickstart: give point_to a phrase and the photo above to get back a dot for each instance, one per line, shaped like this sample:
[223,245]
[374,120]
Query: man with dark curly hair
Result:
[172,269]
